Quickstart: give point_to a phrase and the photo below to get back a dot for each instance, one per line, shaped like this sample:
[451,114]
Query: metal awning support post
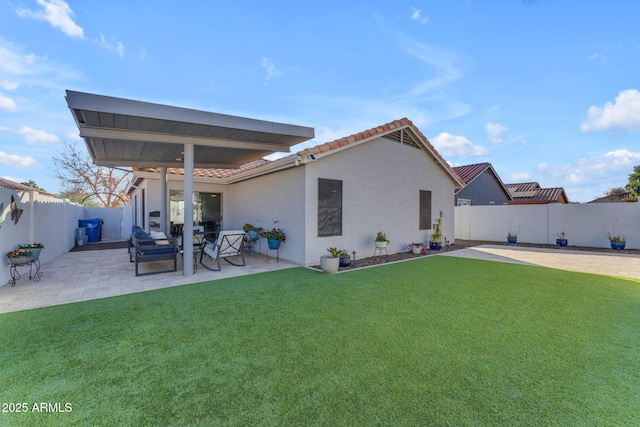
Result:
[187,230]
[163,201]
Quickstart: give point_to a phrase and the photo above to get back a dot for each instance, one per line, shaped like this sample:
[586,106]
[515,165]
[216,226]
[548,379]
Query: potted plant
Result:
[381,240]
[417,248]
[34,248]
[20,256]
[435,240]
[513,232]
[345,259]
[330,263]
[252,232]
[274,237]
[617,239]
[562,239]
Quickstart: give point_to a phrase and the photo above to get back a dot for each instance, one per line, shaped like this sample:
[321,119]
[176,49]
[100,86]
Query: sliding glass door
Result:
[207,211]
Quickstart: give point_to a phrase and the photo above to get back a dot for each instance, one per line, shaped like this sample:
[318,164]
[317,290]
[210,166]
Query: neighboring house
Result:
[11,185]
[615,198]
[337,194]
[531,193]
[482,186]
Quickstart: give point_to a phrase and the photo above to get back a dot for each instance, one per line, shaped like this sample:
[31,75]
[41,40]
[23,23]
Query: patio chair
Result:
[228,244]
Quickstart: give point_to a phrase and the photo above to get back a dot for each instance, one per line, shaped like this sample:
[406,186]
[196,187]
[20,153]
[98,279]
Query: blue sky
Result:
[544,90]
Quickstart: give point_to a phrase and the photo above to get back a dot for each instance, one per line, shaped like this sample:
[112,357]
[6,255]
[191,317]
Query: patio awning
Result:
[124,132]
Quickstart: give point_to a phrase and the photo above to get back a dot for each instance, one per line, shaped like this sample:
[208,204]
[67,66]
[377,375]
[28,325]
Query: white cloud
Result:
[16,161]
[444,63]
[142,53]
[57,13]
[15,63]
[623,114]
[417,16]
[520,177]
[457,146]
[495,132]
[270,68]
[542,167]
[9,85]
[113,45]
[7,103]
[37,137]
[598,57]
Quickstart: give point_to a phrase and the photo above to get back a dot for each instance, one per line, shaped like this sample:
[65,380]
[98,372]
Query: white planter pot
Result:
[416,250]
[329,264]
[381,244]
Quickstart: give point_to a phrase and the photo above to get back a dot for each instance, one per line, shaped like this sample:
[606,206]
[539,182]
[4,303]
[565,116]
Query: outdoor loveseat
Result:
[143,248]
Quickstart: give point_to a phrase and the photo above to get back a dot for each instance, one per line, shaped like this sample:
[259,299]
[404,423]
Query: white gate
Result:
[112,221]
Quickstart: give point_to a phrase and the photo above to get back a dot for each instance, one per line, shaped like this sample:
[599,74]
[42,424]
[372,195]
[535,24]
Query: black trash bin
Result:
[93,228]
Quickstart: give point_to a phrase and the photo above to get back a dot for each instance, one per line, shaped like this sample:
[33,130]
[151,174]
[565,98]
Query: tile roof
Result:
[210,172]
[468,173]
[523,186]
[376,132]
[12,185]
[323,148]
[613,198]
[531,192]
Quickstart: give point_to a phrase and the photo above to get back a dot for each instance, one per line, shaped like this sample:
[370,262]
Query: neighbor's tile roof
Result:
[12,185]
[468,173]
[541,195]
[523,186]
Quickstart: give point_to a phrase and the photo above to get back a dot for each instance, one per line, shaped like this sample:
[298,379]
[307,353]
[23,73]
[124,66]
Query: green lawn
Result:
[433,341]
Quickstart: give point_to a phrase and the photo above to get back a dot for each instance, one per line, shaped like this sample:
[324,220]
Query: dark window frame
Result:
[329,207]
[425,208]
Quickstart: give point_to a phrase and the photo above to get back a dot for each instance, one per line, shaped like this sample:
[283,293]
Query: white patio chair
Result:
[228,244]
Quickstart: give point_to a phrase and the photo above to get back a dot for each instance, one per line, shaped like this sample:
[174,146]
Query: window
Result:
[329,207]
[425,210]
[464,202]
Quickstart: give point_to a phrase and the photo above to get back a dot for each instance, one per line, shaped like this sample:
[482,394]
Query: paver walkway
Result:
[82,276]
[621,265]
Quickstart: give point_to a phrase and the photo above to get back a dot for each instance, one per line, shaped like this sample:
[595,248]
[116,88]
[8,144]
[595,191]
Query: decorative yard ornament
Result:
[15,212]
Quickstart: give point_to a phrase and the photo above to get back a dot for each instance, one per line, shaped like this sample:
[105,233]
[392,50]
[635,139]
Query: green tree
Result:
[615,191]
[31,183]
[80,198]
[634,182]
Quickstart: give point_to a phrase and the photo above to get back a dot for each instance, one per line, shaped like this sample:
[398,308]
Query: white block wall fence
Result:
[583,224]
[52,222]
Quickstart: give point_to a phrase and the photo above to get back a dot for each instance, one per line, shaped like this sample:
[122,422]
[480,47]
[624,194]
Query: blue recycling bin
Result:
[93,226]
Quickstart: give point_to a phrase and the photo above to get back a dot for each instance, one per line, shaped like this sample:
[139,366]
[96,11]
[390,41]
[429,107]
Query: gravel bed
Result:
[461,244]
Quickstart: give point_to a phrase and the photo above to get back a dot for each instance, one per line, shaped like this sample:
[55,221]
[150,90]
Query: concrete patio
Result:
[83,276]
[87,275]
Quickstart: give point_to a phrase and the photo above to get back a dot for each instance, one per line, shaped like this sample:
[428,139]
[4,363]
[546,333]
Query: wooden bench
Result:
[142,248]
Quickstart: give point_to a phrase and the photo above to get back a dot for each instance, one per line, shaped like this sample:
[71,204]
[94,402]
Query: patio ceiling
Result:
[124,132]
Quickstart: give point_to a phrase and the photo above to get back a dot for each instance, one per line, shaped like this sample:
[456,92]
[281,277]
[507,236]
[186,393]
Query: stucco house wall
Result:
[483,190]
[275,200]
[381,183]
